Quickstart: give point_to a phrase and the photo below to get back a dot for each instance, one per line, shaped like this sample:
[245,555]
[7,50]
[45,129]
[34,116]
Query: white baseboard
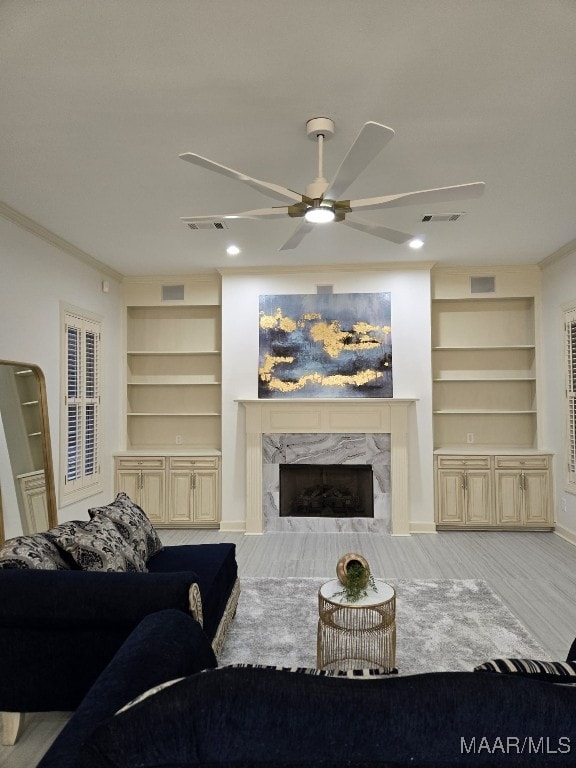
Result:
[421,526]
[566,533]
[232,526]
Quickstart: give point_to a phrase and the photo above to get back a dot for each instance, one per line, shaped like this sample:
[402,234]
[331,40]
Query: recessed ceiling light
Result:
[232,250]
[416,243]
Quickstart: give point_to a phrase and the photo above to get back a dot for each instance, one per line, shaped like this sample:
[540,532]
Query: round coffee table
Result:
[356,635]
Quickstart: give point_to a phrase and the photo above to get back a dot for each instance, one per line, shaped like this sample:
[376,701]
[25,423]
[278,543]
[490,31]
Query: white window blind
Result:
[81,407]
[570,347]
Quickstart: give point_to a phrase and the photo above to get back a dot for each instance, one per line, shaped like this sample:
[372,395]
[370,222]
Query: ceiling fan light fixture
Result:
[416,243]
[319,214]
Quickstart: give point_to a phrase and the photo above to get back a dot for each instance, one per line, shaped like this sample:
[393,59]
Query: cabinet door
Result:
[509,498]
[181,509]
[206,496]
[152,495]
[451,496]
[478,489]
[128,481]
[536,497]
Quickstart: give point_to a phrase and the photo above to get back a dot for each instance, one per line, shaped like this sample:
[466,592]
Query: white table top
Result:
[383,593]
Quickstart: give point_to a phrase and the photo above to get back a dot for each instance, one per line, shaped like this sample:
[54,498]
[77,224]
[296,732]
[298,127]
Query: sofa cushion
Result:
[133,524]
[352,674]
[98,546]
[260,717]
[32,551]
[549,671]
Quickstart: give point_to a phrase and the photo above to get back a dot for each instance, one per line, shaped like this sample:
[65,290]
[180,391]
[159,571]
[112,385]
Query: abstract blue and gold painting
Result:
[325,345]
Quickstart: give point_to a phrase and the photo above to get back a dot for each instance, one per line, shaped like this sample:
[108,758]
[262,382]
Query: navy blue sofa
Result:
[59,629]
[251,718]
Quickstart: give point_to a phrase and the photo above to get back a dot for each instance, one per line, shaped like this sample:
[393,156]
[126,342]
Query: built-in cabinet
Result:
[489,469]
[173,400]
[175,491]
[493,491]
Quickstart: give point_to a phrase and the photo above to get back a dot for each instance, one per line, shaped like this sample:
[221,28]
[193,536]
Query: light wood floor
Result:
[533,573]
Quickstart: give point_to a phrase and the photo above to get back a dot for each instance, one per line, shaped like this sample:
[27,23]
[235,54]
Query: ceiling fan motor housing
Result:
[320,126]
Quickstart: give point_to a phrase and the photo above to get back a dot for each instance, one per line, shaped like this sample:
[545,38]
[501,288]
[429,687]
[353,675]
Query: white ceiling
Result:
[99,97]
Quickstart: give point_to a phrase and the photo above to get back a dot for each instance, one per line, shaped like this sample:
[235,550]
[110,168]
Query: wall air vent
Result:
[172,293]
[442,216]
[208,225]
[482,285]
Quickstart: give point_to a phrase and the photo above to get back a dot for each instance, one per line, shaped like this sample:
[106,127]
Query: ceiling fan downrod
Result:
[319,129]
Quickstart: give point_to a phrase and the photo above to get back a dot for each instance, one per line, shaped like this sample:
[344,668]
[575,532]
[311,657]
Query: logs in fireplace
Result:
[326,490]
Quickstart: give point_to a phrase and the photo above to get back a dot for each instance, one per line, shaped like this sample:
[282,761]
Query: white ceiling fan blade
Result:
[278,212]
[438,195]
[266,187]
[372,138]
[394,235]
[297,236]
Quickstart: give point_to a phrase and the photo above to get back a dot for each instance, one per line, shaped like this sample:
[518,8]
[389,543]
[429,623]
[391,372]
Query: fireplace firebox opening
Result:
[326,490]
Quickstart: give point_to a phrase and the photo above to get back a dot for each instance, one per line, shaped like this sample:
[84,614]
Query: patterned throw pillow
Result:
[98,546]
[549,671]
[131,521]
[70,527]
[32,551]
[353,674]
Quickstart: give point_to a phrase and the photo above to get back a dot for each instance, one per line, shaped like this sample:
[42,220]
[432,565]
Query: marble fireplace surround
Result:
[336,416]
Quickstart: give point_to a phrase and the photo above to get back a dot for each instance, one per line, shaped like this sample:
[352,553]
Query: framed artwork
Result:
[325,345]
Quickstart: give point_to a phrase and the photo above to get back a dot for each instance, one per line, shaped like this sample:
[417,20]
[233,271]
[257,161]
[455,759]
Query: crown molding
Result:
[566,250]
[310,268]
[207,277]
[486,269]
[31,226]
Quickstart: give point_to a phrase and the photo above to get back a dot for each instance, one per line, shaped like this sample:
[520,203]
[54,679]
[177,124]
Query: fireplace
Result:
[326,490]
[372,417]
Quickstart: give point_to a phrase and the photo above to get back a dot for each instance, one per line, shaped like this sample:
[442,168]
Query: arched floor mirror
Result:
[27,493]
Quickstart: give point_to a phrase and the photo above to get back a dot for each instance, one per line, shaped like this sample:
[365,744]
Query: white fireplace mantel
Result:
[338,415]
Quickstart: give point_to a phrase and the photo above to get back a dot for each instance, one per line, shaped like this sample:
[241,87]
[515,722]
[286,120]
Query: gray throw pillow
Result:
[99,546]
[133,524]
[31,551]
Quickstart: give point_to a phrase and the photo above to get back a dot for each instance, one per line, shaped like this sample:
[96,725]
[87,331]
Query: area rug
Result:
[441,625]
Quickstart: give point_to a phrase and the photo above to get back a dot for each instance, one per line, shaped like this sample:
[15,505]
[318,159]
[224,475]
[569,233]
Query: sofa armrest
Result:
[36,599]
[164,646]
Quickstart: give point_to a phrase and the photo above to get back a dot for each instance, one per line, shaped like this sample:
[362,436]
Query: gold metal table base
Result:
[352,636]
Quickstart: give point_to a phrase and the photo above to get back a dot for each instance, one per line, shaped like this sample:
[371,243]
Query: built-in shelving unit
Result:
[173,374]
[484,380]
[490,469]
[171,465]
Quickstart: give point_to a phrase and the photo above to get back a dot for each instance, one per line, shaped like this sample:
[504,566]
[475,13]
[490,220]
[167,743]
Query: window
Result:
[80,412]
[570,346]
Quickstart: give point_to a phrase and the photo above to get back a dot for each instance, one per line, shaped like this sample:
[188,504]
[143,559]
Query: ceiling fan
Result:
[322,200]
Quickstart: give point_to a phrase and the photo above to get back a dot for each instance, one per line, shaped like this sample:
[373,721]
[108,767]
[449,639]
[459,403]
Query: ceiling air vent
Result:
[442,216]
[208,225]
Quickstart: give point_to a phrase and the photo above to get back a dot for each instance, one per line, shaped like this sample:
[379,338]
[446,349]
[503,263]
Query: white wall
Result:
[412,374]
[35,278]
[558,294]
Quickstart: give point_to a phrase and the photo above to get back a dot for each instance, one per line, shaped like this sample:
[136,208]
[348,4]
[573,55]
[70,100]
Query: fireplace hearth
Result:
[326,490]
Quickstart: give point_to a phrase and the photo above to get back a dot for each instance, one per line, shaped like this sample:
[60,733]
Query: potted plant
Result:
[354,574]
